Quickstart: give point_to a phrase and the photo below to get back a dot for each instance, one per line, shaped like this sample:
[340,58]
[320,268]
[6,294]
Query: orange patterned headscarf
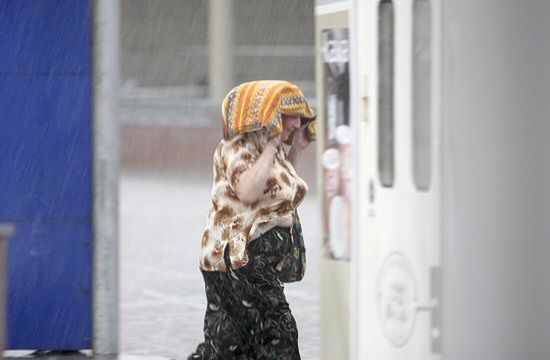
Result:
[260,104]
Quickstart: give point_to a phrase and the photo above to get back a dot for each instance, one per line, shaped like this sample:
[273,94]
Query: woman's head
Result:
[278,107]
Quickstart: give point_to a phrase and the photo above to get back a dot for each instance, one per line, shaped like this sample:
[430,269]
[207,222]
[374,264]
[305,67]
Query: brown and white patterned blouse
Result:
[232,221]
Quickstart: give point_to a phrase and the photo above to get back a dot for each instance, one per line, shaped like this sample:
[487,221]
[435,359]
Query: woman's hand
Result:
[300,141]
[275,141]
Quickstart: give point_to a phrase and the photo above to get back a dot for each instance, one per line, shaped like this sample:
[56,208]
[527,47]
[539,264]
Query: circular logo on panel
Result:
[396,298]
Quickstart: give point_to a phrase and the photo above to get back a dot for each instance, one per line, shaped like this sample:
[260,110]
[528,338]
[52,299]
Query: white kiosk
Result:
[450,100]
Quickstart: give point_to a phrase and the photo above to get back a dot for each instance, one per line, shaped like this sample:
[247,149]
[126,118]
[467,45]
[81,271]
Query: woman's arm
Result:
[293,155]
[252,182]
[300,141]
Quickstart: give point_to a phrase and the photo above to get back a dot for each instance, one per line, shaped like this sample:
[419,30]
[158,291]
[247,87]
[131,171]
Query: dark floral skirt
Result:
[247,316]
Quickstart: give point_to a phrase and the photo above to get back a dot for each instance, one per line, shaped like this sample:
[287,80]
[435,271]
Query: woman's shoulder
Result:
[249,142]
[227,146]
[235,141]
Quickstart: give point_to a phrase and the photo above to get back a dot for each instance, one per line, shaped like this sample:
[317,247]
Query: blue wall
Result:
[46,171]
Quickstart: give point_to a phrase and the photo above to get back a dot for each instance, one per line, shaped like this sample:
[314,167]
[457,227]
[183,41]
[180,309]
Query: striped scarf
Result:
[260,104]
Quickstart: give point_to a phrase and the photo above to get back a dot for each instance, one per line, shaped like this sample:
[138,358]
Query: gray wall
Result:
[495,257]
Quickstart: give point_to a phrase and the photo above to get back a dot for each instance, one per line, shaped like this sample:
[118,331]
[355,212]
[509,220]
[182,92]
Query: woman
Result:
[252,241]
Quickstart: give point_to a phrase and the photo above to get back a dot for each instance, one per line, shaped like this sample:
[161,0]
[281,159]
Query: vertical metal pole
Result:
[355,189]
[220,25]
[6,231]
[106,173]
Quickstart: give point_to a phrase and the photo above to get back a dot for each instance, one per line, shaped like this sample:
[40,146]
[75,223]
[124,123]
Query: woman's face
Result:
[290,124]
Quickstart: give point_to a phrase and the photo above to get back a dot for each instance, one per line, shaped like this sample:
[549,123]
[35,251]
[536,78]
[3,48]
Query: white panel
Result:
[495,78]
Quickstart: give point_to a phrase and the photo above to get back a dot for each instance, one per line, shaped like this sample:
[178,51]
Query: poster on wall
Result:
[335,160]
